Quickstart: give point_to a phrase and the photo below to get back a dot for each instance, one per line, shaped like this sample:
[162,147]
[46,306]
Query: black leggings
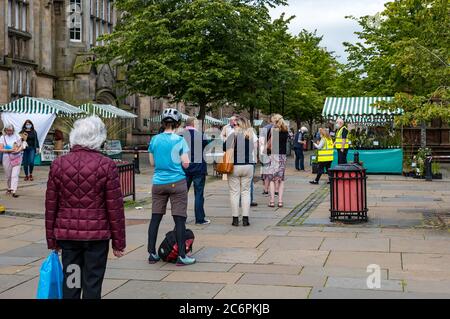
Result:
[180,229]
[322,166]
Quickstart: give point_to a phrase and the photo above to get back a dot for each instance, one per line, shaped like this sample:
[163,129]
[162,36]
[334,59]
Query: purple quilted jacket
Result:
[84,201]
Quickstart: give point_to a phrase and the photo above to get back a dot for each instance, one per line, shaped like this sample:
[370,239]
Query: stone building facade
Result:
[44,47]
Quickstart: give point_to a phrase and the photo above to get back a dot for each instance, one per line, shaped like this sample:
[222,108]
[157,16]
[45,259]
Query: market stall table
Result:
[367,112]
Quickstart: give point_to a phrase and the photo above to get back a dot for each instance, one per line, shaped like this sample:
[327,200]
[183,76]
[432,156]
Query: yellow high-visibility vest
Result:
[326,154]
[338,143]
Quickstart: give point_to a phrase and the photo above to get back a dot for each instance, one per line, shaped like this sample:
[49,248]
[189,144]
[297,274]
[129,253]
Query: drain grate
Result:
[300,213]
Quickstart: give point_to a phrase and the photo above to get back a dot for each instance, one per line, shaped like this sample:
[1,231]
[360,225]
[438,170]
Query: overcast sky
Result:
[328,17]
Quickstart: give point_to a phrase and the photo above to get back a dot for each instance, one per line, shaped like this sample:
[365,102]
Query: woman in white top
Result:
[11,147]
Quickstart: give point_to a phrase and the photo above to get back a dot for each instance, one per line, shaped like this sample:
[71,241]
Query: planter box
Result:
[437,176]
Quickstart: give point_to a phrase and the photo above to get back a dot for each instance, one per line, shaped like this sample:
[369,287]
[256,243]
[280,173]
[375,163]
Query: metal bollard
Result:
[136,160]
[428,171]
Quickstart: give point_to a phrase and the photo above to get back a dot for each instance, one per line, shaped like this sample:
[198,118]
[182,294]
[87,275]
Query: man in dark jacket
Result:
[197,170]
[299,145]
[84,210]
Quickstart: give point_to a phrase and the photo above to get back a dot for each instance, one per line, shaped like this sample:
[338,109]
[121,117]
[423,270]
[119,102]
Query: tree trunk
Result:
[423,134]
[252,115]
[202,114]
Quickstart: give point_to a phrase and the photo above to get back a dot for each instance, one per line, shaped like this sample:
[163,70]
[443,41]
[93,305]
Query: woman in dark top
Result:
[275,172]
[245,143]
[30,152]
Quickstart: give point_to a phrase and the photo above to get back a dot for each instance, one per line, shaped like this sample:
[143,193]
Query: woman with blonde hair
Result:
[277,143]
[244,142]
[12,149]
[325,154]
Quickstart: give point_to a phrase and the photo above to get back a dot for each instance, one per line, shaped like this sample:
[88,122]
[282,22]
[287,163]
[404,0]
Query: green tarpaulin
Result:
[386,161]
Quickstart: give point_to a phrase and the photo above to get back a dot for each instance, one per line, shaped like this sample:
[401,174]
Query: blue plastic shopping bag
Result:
[51,278]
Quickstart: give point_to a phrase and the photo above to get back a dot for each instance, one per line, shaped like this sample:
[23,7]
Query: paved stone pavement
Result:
[407,236]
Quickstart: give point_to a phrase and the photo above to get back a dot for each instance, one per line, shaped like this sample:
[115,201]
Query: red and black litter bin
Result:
[127,178]
[348,193]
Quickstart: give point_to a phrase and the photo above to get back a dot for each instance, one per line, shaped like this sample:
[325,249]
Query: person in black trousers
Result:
[30,152]
[299,145]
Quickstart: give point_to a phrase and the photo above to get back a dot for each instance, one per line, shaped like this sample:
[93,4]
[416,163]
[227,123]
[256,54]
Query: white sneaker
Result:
[206,222]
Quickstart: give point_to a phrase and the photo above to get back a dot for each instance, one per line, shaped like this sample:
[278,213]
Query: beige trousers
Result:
[11,174]
[239,183]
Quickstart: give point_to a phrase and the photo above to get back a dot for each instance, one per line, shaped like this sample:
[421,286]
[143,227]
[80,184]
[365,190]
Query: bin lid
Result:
[348,168]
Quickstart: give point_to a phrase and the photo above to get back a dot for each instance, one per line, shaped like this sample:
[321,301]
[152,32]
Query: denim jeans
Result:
[28,160]
[199,188]
[299,159]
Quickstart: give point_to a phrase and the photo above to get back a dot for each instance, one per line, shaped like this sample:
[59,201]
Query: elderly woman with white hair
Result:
[12,148]
[84,209]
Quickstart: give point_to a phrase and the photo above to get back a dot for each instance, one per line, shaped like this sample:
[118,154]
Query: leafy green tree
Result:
[405,51]
[316,74]
[189,50]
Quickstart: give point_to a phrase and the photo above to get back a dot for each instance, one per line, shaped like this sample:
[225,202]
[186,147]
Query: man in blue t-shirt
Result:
[169,154]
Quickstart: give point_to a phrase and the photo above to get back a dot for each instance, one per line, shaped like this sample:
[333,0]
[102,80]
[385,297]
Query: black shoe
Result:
[254,204]
[245,221]
[314,182]
[235,221]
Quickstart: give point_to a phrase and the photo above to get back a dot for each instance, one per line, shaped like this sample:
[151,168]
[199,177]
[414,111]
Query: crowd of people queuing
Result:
[84,204]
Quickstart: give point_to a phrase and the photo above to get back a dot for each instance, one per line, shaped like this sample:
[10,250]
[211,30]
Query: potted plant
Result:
[436,170]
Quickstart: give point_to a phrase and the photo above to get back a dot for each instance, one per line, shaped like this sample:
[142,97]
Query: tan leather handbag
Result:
[227,164]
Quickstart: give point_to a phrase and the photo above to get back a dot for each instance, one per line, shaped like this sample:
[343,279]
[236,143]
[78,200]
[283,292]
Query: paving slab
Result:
[228,255]
[340,272]
[135,289]
[266,269]
[109,285]
[435,286]
[431,262]
[262,292]
[11,270]
[10,281]
[338,293]
[121,263]
[17,261]
[321,234]
[10,221]
[31,250]
[204,277]
[282,280]
[423,275]
[294,257]
[7,245]
[356,259]
[200,266]
[15,230]
[229,240]
[135,274]
[420,246]
[361,283]
[356,244]
[288,243]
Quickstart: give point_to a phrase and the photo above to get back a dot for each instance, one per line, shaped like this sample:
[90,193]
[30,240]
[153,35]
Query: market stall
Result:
[42,112]
[114,118]
[371,131]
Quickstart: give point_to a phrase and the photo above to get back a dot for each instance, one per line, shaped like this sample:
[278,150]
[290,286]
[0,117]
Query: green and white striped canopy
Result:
[212,121]
[34,105]
[358,109]
[208,119]
[106,111]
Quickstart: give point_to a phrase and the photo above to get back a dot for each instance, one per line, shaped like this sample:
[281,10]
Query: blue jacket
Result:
[297,145]
[197,143]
